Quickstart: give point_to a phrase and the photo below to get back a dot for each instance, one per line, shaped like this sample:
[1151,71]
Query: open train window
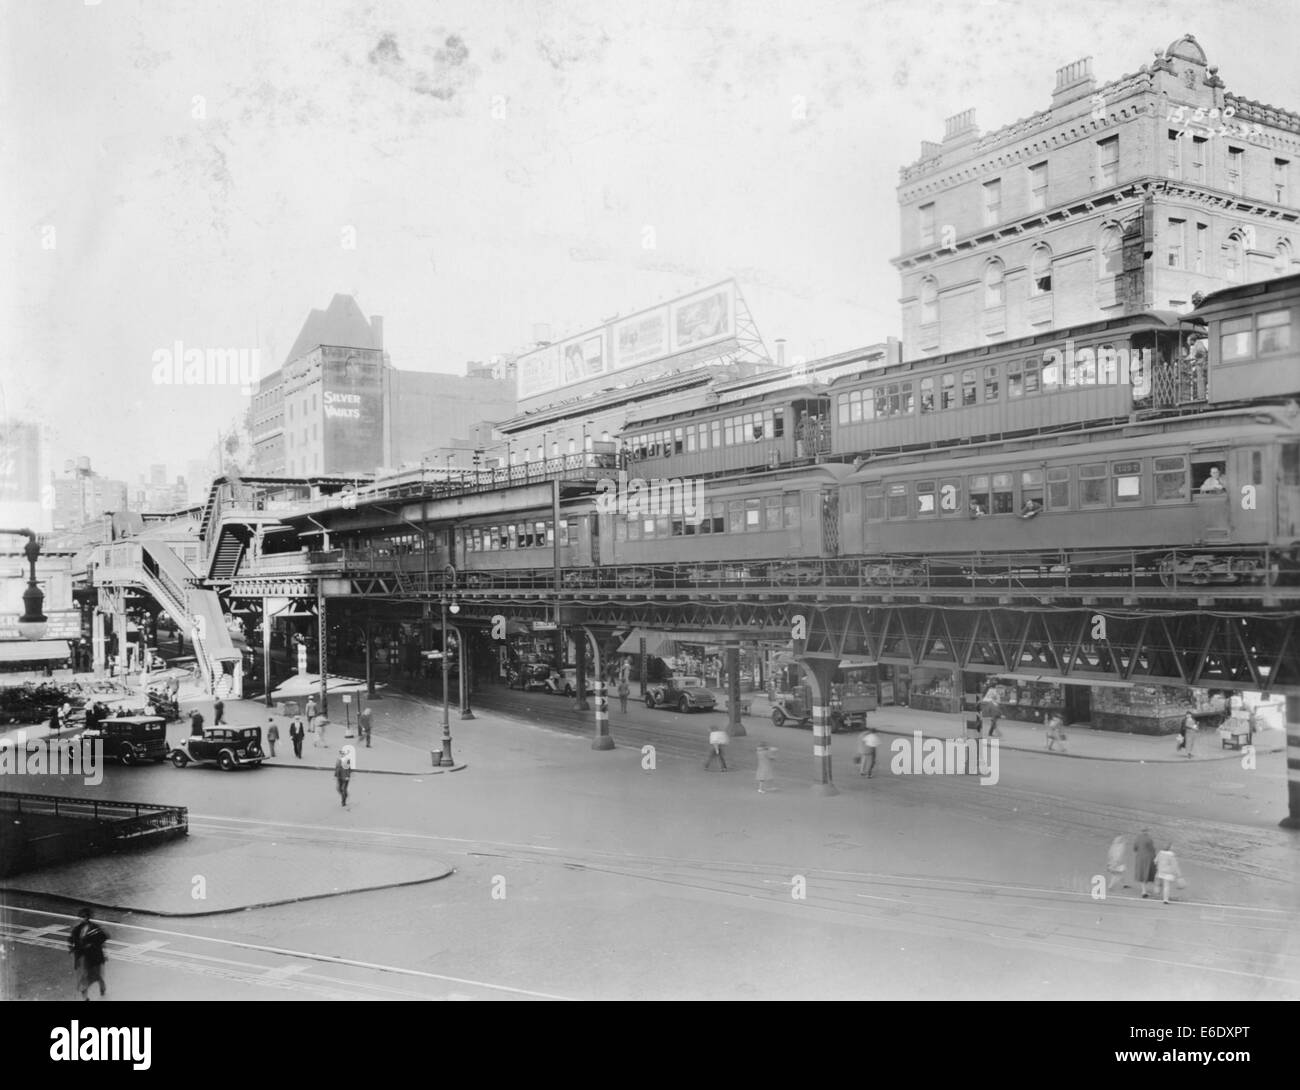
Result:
[1031,489]
[1128,482]
[1004,500]
[1092,485]
[1058,488]
[1170,476]
[1274,331]
[979,495]
[897,505]
[927,395]
[1201,474]
[926,503]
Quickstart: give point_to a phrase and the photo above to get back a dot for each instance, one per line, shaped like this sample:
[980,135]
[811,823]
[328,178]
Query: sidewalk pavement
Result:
[1082,742]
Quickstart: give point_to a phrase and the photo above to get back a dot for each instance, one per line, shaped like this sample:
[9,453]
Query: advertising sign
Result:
[642,338]
[354,416]
[708,316]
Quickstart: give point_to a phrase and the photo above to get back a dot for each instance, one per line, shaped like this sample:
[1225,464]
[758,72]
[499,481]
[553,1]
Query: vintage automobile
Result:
[529,676]
[130,739]
[565,682]
[228,747]
[685,694]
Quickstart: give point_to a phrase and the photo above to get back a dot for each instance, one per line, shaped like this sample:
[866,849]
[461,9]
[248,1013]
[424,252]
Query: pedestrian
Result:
[318,727]
[764,774]
[218,710]
[86,942]
[1167,871]
[364,721]
[56,722]
[717,749]
[310,709]
[1115,860]
[990,712]
[342,776]
[623,692]
[1144,860]
[1056,733]
[1187,734]
[196,724]
[272,736]
[868,740]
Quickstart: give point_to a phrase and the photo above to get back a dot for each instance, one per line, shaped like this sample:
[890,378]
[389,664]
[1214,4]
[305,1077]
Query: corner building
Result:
[1120,198]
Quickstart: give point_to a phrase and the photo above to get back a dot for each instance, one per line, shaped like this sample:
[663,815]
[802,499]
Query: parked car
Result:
[130,739]
[529,676]
[565,682]
[228,747]
[683,693]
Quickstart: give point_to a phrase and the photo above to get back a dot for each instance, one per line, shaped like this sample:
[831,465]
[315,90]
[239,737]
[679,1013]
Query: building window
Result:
[929,301]
[1038,187]
[1280,167]
[1198,158]
[994,285]
[1174,244]
[1236,156]
[1232,257]
[925,216]
[1282,259]
[1111,251]
[993,202]
[1202,247]
[1173,153]
[1108,161]
[1040,271]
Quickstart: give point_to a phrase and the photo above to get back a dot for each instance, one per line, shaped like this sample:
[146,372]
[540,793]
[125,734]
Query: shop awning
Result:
[656,641]
[1075,679]
[33,650]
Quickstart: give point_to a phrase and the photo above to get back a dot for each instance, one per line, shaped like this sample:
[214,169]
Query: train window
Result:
[1256,467]
[715,434]
[1170,476]
[663,526]
[753,514]
[1031,377]
[1058,488]
[1053,378]
[1106,370]
[736,517]
[1031,489]
[979,495]
[927,395]
[907,402]
[692,438]
[873,502]
[1015,380]
[494,539]
[947,392]
[729,432]
[1291,463]
[564,532]
[1092,485]
[1235,338]
[768,433]
[772,513]
[683,528]
[778,423]
[925,498]
[647,528]
[790,506]
[882,401]
[1084,370]
[1004,500]
[950,496]
[677,441]
[1128,481]
[895,404]
[855,405]
[546,534]
[968,396]
[719,516]
[897,506]
[1274,331]
[990,383]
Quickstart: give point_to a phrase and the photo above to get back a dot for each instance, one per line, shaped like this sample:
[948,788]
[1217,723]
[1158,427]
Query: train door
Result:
[1250,500]
[851,519]
[593,536]
[1288,494]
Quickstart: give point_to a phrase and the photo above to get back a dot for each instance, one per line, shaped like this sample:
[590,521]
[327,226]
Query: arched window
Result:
[994,285]
[929,301]
[1040,271]
[573,445]
[1233,258]
[1282,258]
[1110,249]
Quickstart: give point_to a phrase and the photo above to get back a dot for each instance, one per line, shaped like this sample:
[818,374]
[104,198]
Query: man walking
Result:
[623,692]
[342,776]
[218,711]
[364,721]
[310,709]
[272,736]
[86,942]
[867,744]
[1189,732]
[296,733]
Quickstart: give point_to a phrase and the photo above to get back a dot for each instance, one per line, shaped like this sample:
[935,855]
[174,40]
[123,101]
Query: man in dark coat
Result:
[218,710]
[1144,862]
[86,942]
[342,776]
[296,734]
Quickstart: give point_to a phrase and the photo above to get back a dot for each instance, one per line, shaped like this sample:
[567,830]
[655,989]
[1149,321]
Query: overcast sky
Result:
[500,162]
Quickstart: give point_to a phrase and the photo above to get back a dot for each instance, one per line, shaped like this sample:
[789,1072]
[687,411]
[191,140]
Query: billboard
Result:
[681,325]
[354,415]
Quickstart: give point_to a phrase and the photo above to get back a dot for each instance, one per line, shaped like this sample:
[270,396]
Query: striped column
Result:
[1292,820]
[821,728]
[601,703]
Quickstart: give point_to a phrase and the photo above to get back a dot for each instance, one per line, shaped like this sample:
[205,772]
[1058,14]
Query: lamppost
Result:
[443,759]
[32,624]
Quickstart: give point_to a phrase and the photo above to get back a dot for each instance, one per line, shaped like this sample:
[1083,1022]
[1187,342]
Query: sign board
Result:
[347,698]
[544,626]
[302,658]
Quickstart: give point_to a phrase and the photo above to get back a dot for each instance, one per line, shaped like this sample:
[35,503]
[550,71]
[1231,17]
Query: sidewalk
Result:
[1083,742]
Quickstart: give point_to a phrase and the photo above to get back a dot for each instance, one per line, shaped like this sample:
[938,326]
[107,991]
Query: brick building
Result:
[1118,198]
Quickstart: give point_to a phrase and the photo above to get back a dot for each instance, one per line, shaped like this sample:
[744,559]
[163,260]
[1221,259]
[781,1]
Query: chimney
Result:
[377,330]
[960,127]
[780,351]
[1073,81]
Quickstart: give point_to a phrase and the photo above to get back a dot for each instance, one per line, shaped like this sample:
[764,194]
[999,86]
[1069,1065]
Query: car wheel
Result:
[179,759]
[683,705]
[778,717]
[226,760]
[127,755]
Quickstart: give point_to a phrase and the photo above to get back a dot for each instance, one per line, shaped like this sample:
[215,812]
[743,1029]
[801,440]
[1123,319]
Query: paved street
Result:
[546,869]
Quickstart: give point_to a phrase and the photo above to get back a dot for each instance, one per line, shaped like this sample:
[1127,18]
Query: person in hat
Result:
[272,735]
[343,775]
[86,943]
[296,735]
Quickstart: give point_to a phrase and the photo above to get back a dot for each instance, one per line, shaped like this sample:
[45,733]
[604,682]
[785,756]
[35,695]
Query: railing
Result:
[275,563]
[135,814]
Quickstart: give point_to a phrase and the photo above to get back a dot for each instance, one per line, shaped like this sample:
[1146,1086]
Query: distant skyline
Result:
[211,172]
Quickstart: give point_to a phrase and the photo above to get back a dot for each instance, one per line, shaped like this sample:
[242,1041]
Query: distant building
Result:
[82,496]
[1118,198]
[24,459]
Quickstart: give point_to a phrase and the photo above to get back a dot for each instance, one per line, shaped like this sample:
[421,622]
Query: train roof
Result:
[1257,290]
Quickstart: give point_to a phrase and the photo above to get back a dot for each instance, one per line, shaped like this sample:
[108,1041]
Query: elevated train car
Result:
[1253,333]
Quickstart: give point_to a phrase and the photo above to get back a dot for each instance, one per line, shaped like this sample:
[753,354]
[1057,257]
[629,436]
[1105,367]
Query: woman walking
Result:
[1167,871]
[1144,860]
[1115,860]
[764,775]
[717,749]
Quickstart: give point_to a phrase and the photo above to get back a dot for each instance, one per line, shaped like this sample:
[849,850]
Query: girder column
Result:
[1292,820]
[819,670]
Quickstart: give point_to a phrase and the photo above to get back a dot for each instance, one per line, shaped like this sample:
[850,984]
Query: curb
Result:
[62,898]
[1212,756]
[431,771]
